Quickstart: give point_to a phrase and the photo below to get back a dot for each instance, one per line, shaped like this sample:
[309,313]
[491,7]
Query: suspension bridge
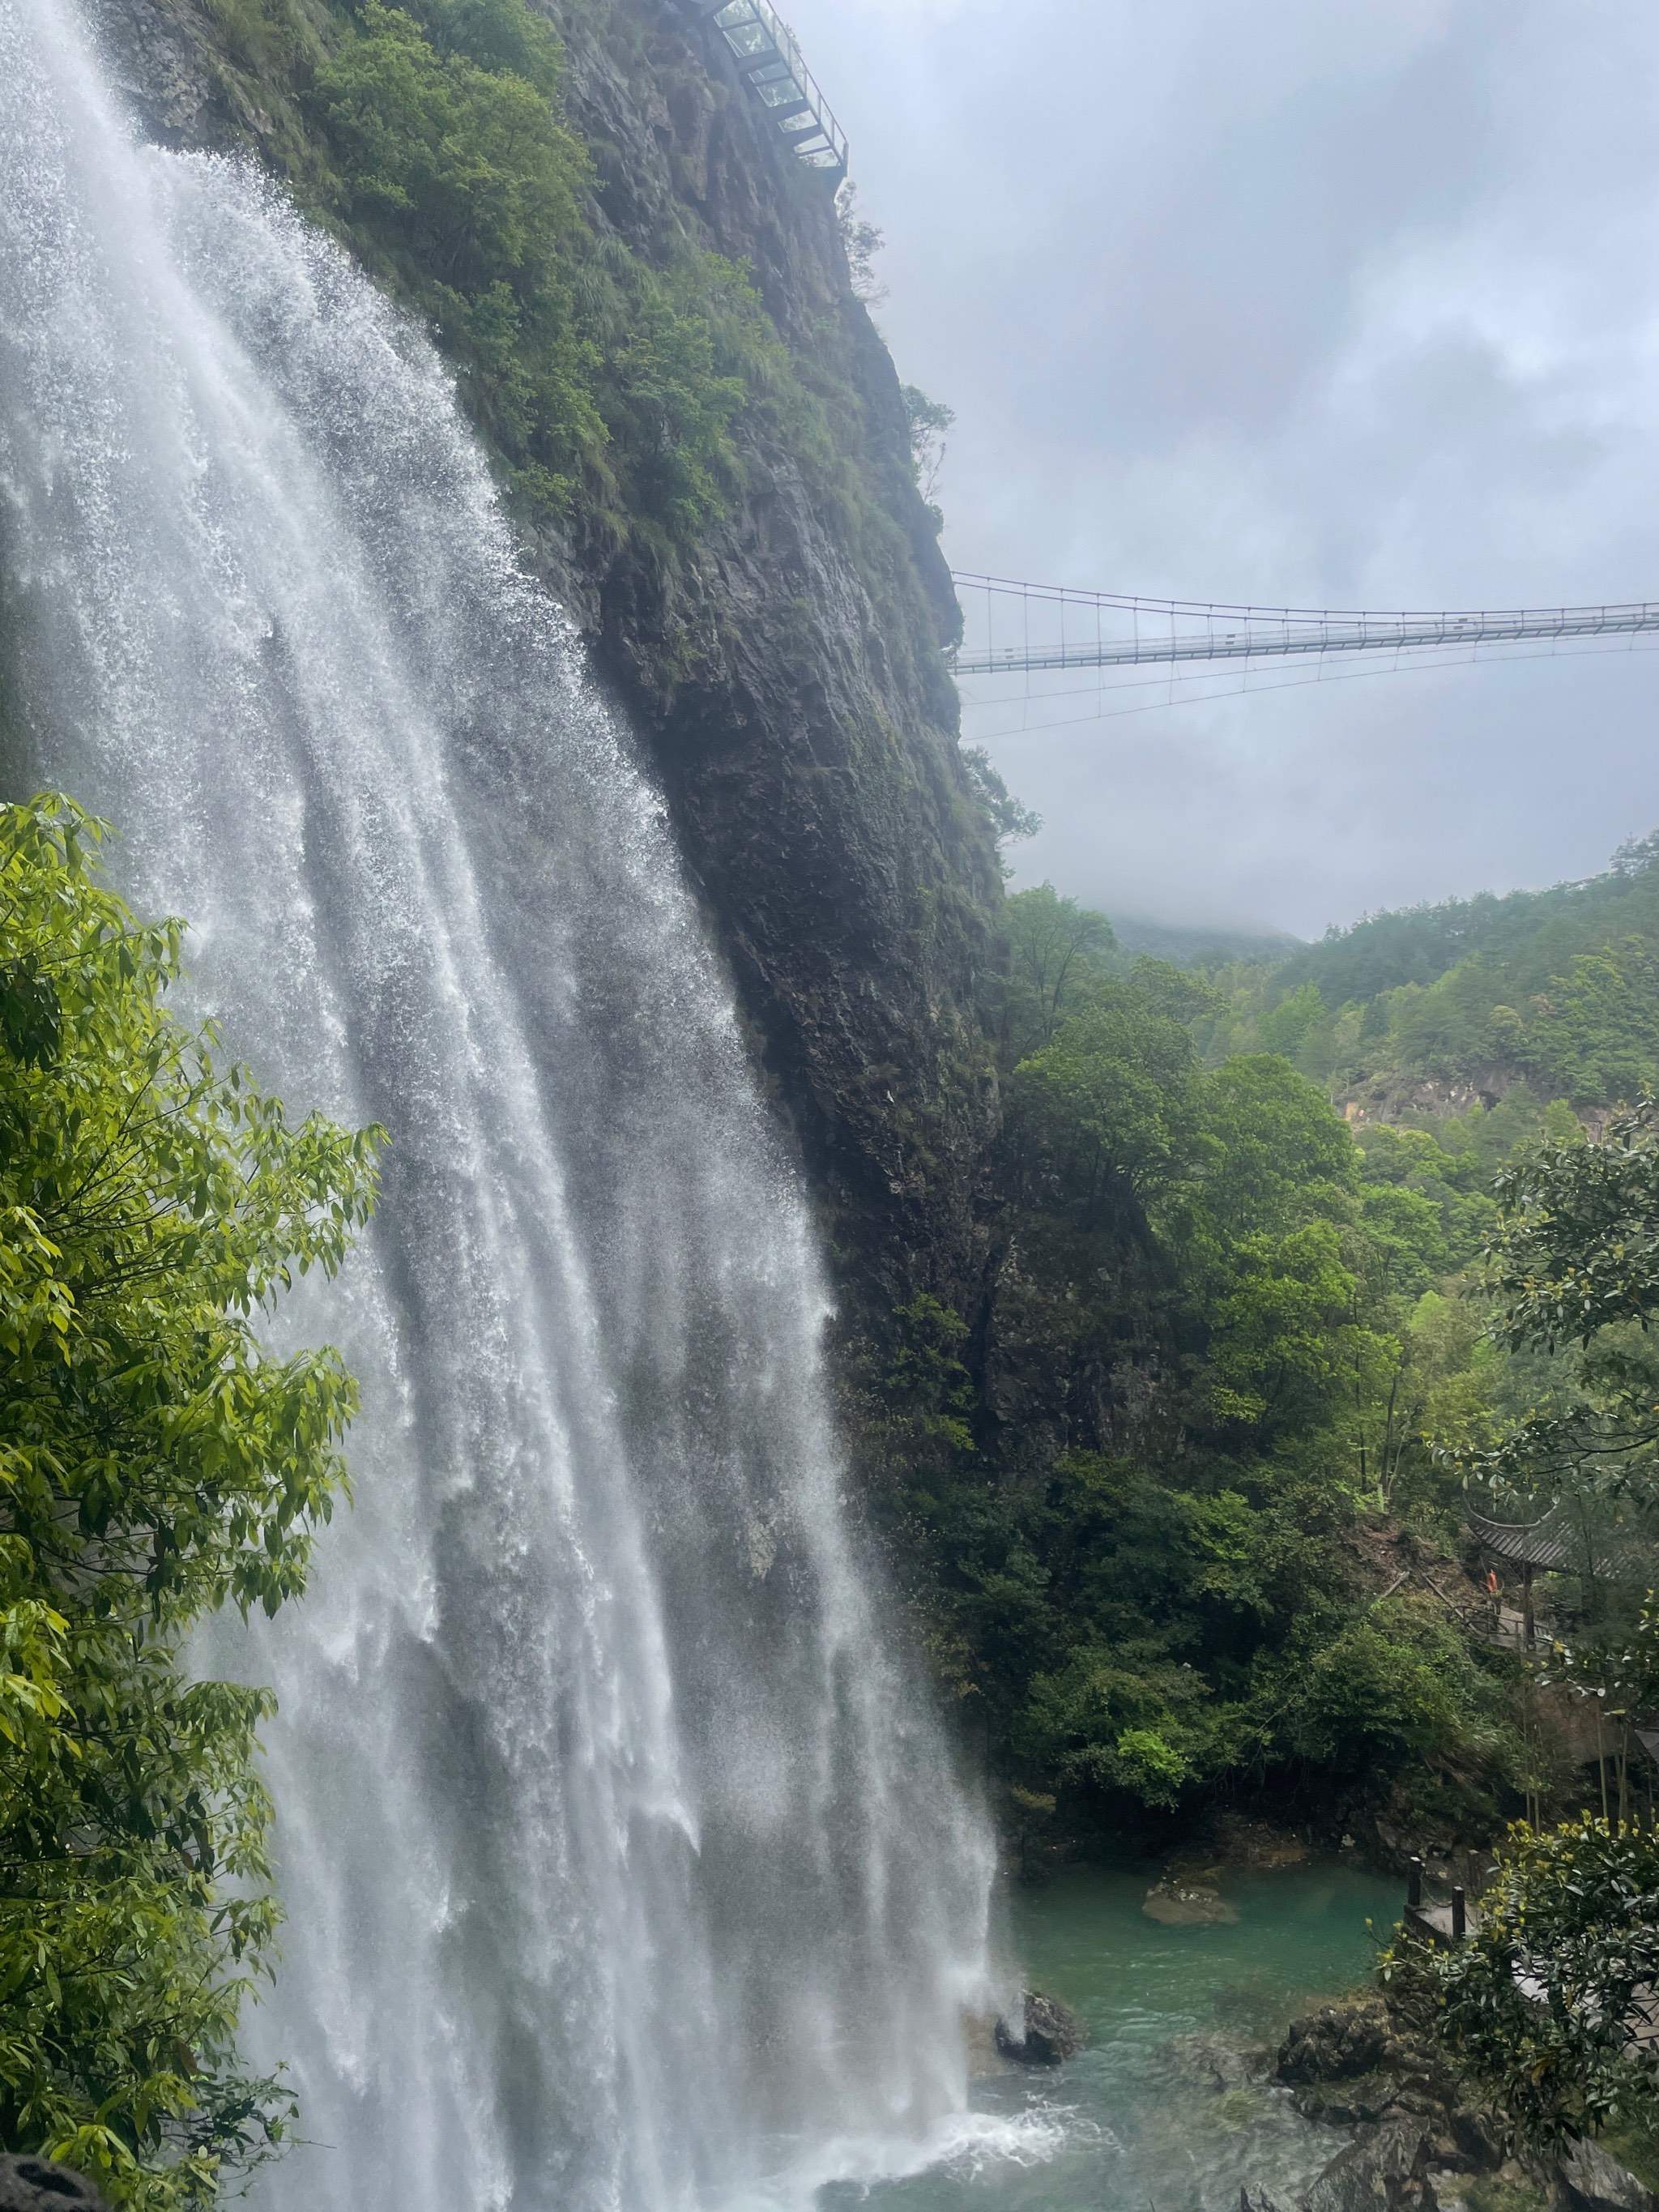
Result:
[1037,628]
[1021,628]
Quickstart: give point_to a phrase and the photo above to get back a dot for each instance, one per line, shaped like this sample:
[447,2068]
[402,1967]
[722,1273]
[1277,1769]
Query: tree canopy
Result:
[1538,995]
[1222,1329]
[155,1461]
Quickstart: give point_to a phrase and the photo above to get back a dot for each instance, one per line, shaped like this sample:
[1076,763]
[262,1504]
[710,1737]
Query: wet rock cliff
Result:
[809,752]
[788,672]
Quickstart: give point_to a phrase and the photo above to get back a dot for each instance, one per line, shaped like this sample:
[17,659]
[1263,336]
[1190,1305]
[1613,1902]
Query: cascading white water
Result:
[625,1867]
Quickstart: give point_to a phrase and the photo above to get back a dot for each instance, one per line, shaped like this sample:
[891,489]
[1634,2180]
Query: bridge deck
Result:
[1060,629]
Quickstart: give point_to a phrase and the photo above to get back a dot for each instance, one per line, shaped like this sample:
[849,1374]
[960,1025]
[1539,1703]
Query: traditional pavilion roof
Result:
[1568,1541]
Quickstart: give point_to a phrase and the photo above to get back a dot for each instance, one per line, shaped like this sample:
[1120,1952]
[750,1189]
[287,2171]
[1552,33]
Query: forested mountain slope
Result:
[1554,993]
[1215,1416]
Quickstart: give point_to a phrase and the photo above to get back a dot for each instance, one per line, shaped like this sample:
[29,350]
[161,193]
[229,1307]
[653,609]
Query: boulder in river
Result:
[1049,2032]
[1182,1905]
[37,2185]
[1214,2061]
[1359,2097]
[1336,2044]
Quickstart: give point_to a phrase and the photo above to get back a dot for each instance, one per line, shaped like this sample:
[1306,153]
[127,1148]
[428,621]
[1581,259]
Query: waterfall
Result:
[625,1866]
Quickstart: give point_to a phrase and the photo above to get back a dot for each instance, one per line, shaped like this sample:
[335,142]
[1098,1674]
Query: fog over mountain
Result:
[1296,305]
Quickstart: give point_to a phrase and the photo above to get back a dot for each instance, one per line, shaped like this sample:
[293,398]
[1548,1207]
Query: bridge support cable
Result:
[1060,629]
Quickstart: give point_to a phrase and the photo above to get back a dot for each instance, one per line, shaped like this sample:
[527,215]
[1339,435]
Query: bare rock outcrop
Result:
[37,2185]
[1383,2170]
[1591,2180]
[1336,2044]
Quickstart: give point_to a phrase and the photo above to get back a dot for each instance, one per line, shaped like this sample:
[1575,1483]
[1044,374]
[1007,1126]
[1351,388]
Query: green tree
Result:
[930,422]
[1134,1729]
[1105,1108]
[467,168]
[1272,1157]
[1288,1025]
[154,1462]
[1539,2005]
[1056,951]
[861,241]
[1592,1034]
[1278,1328]
[1009,819]
[607,383]
[1177,991]
[1390,1691]
[1574,1264]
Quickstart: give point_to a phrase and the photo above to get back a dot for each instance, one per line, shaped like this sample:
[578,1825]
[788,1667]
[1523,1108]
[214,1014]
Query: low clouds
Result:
[1299,305]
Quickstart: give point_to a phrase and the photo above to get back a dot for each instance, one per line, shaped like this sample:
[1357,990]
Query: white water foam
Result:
[969,2146]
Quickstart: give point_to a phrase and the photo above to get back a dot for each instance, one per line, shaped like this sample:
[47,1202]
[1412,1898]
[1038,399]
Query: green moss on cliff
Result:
[433,142]
[608,375]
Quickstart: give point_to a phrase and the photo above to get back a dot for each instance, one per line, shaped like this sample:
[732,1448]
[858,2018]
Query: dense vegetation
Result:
[608,377]
[154,1464]
[1538,2007]
[1540,994]
[450,171]
[1231,1339]
[1574,1909]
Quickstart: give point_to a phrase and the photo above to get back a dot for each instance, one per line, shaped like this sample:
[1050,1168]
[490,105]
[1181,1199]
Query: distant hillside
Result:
[1554,993]
[1202,948]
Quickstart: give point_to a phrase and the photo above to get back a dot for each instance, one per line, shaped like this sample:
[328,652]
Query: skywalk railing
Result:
[769,59]
[1044,626]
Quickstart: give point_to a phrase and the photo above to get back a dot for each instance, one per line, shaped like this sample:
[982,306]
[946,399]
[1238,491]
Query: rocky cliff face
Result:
[802,718]
[787,677]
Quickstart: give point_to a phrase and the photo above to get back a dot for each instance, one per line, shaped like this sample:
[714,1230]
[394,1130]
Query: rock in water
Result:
[1051,2034]
[1213,2061]
[1595,2182]
[1380,2172]
[1334,2045]
[1176,1905]
[35,2185]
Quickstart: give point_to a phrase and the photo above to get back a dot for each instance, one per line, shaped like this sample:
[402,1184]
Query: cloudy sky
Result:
[1313,302]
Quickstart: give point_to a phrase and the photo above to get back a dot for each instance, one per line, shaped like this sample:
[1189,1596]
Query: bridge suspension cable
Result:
[1050,626]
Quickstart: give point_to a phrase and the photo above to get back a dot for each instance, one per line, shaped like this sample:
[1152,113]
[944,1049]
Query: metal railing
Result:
[1056,628]
[769,59]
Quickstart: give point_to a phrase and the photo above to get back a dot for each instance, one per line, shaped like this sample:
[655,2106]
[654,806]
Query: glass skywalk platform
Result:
[764,49]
